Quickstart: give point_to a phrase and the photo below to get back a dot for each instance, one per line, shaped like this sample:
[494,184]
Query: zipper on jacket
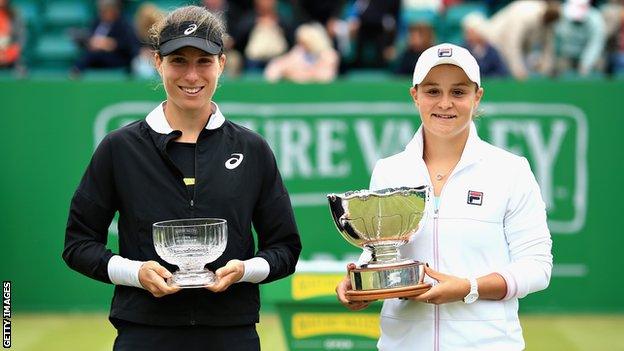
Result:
[436,250]
[436,262]
[195,175]
[436,217]
[180,175]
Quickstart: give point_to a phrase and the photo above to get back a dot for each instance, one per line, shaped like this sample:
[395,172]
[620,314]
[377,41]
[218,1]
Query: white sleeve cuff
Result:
[365,257]
[122,271]
[512,287]
[535,276]
[256,270]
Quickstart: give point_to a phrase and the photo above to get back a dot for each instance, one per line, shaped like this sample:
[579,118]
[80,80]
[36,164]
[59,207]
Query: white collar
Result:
[158,122]
[471,153]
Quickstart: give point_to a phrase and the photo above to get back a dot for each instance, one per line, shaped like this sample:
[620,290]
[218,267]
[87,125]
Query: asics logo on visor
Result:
[191,29]
[234,161]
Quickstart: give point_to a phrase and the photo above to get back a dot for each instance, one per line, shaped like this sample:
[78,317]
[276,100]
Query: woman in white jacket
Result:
[485,237]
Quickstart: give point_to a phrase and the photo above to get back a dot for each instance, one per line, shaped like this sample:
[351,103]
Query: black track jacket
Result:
[131,173]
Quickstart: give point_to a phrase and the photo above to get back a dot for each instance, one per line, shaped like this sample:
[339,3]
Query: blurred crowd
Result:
[319,40]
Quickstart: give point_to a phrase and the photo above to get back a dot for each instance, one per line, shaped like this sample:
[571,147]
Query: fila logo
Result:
[234,161]
[445,52]
[475,198]
[191,29]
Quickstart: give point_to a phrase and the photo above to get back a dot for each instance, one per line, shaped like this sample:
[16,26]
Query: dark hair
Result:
[196,14]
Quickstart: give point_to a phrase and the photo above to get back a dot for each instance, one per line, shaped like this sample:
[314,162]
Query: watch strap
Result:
[473,295]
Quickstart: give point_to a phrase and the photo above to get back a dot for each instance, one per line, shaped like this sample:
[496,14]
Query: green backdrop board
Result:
[326,139]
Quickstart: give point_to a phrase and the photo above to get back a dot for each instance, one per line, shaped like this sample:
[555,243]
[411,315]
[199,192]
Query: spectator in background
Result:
[143,64]
[521,30]
[581,37]
[262,34]
[228,14]
[490,62]
[312,59]
[111,43]
[420,36]
[375,25]
[613,14]
[12,34]
[328,13]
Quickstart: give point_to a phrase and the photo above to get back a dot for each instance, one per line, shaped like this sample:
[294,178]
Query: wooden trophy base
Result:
[381,294]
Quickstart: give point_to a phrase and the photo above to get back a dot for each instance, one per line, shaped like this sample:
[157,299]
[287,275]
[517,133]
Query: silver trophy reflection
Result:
[190,244]
[381,222]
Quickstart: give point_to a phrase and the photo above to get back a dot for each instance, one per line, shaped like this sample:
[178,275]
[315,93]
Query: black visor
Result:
[174,37]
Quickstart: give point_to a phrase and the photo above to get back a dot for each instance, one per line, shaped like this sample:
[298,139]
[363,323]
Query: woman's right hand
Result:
[341,291]
[152,277]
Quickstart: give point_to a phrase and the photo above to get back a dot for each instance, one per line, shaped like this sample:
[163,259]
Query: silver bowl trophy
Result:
[190,244]
[381,222]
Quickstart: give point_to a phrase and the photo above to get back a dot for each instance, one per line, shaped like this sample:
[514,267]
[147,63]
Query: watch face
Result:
[471,298]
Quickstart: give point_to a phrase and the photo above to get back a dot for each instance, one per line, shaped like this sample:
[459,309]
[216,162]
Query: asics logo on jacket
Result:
[234,161]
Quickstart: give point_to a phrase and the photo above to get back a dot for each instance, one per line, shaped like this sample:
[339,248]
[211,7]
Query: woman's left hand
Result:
[448,289]
[227,275]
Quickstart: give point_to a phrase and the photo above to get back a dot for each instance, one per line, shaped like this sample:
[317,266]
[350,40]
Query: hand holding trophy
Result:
[380,222]
[191,244]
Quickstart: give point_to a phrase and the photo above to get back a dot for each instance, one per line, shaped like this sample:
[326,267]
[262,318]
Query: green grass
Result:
[574,332]
[93,332]
[51,332]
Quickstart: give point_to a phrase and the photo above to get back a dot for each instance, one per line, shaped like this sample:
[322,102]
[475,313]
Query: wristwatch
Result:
[473,295]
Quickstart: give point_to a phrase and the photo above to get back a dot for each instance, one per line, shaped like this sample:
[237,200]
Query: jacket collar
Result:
[158,122]
[472,153]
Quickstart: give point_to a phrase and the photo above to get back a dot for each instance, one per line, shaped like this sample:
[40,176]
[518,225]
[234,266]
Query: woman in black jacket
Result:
[184,160]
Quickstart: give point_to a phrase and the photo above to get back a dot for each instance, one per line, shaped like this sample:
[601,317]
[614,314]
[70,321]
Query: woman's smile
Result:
[443,116]
[192,91]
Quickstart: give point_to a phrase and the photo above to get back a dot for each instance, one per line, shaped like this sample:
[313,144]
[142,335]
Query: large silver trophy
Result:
[380,222]
[190,244]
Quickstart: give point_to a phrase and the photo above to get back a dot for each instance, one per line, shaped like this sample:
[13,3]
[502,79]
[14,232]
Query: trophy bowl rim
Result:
[214,222]
[378,193]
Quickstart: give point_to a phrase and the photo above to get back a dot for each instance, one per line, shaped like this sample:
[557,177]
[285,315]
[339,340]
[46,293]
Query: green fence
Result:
[326,139]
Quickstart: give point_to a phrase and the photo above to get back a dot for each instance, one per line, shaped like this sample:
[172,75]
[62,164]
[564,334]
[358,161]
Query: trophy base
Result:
[382,294]
[190,280]
[388,281]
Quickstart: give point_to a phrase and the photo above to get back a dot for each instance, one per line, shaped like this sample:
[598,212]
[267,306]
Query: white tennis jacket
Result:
[491,218]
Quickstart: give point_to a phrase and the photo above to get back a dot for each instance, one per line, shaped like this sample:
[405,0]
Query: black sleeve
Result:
[90,214]
[274,221]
